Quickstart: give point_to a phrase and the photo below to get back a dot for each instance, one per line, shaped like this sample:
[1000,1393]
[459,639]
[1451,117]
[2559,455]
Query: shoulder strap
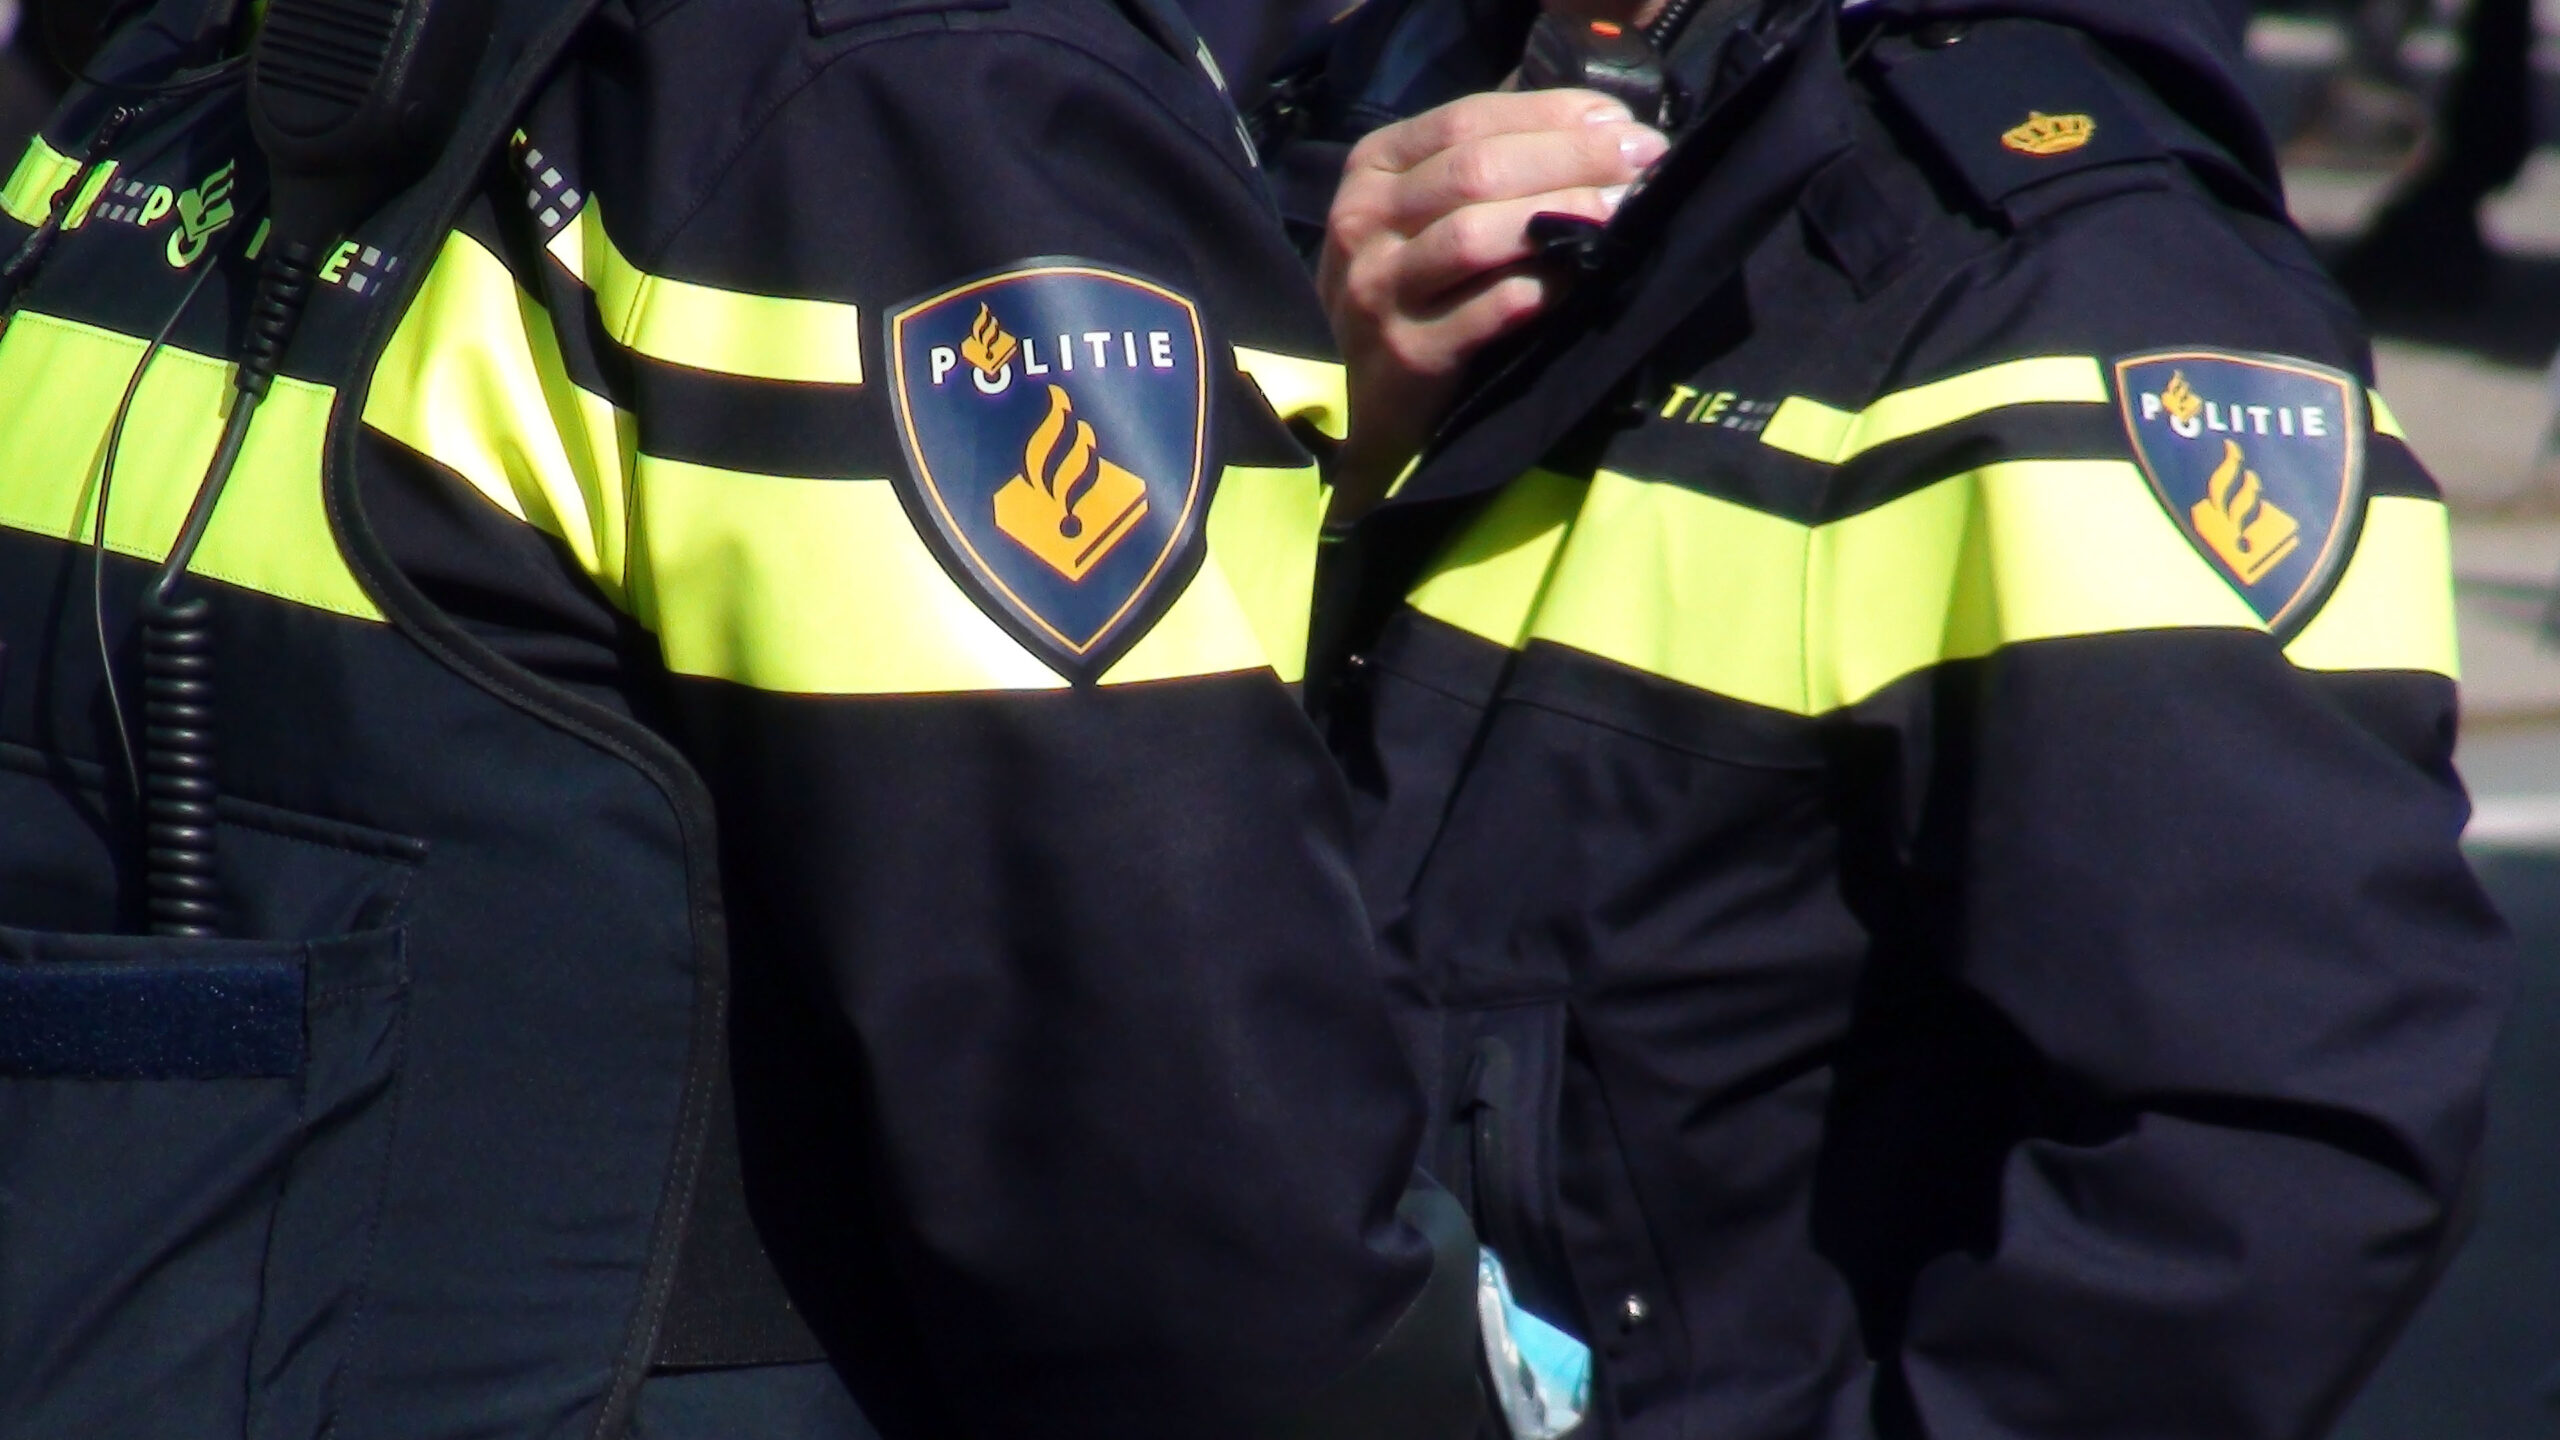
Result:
[2007,107]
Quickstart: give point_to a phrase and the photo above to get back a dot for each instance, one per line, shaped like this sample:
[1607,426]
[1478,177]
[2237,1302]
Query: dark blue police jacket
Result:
[1904,736]
[859,421]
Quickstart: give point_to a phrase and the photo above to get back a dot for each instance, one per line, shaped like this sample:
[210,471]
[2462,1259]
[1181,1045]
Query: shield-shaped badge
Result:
[1055,418]
[2260,461]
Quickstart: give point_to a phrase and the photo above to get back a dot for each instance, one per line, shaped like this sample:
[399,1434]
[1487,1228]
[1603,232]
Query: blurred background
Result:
[2422,146]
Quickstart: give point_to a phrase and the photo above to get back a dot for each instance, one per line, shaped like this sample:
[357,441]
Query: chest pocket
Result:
[192,1132]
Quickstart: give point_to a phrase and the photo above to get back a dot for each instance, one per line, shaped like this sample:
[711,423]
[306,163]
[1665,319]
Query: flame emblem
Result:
[2042,134]
[2180,399]
[2244,528]
[1069,506]
[988,347]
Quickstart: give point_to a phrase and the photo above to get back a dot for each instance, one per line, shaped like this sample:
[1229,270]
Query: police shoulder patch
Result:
[2260,460]
[1055,417]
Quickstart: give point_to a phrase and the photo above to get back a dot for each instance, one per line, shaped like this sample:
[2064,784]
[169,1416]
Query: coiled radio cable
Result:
[182,889]
[347,108]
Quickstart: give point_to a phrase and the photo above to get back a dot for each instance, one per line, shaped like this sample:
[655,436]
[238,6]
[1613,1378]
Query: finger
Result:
[1407,143]
[1465,244]
[1442,341]
[1517,164]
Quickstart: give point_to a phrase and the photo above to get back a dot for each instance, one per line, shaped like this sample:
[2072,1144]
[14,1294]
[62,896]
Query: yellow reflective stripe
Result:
[1206,631]
[727,332]
[1686,586]
[87,200]
[2384,422]
[1263,532]
[1807,427]
[1816,431]
[59,385]
[2393,609]
[817,587]
[1316,391]
[1490,581]
[40,175]
[1396,486]
[473,379]
[1807,619]
[822,587]
[808,586]
[2018,551]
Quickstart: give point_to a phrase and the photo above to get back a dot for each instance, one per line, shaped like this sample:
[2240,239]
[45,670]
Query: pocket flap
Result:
[140,1008]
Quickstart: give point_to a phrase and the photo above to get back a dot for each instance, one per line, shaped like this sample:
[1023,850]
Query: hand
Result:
[1427,255]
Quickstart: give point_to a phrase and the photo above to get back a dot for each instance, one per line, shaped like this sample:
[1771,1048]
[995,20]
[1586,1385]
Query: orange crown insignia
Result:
[2042,134]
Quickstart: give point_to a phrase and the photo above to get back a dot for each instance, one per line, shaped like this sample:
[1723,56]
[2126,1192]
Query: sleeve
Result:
[961,509]
[2180,834]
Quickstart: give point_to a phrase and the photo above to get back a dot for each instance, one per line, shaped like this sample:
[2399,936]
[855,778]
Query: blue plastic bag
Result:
[1541,1375]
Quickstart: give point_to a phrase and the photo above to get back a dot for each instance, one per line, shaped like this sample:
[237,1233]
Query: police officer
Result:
[733,845]
[1903,702]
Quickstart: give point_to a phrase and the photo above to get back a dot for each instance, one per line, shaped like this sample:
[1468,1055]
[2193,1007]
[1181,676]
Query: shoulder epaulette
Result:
[2011,105]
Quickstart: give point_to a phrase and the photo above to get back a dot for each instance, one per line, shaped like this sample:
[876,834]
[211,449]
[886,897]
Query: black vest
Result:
[410,1152]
